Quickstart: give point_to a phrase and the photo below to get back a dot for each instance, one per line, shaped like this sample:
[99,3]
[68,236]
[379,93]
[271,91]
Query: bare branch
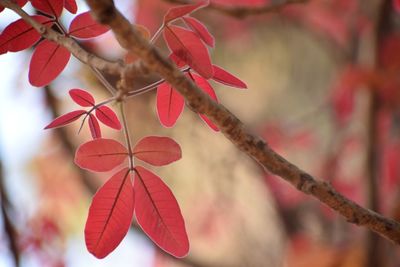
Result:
[245,11]
[103,80]
[9,228]
[375,247]
[235,130]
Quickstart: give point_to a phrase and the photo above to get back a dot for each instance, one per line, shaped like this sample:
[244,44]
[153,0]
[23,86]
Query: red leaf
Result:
[65,119]
[209,122]
[206,87]
[157,150]
[71,6]
[343,91]
[179,11]
[389,52]
[178,62]
[390,164]
[107,116]
[241,3]
[51,7]
[187,46]
[201,30]
[82,97]
[158,213]
[110,215]
[19,35]
[100,155]
[84,26]
[170,104]
[48,61]
[224,77]
[21,3]
[396,4]
[94,127]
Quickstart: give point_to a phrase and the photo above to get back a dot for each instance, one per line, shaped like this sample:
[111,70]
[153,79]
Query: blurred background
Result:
[323,89]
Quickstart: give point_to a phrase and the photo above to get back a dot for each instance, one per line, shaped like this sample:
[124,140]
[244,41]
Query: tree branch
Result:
[375,246]
[130,39]
[9,228]
[245,11]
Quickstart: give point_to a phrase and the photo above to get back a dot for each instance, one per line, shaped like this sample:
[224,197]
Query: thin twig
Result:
[61,27]
[145,89]
[105,102]
[158,32]
[149,87]
[127,135]
[103,80]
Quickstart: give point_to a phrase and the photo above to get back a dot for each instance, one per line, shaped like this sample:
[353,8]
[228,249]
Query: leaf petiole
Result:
[157,34]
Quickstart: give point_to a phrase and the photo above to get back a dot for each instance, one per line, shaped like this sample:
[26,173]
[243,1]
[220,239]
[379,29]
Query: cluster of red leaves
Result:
[132,190]
[114,204]
[189,47]
[49,58]
[148,197]
[102,113]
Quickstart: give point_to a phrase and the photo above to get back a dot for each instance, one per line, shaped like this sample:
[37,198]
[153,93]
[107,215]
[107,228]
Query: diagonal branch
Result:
[245,11]
[130,39]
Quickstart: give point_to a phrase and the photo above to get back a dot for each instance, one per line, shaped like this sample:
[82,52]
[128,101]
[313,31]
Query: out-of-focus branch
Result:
[374,245]
[245,11]
[130,39]
[9,228]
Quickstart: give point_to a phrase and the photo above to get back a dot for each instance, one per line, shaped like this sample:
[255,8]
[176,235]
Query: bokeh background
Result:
[323,89]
